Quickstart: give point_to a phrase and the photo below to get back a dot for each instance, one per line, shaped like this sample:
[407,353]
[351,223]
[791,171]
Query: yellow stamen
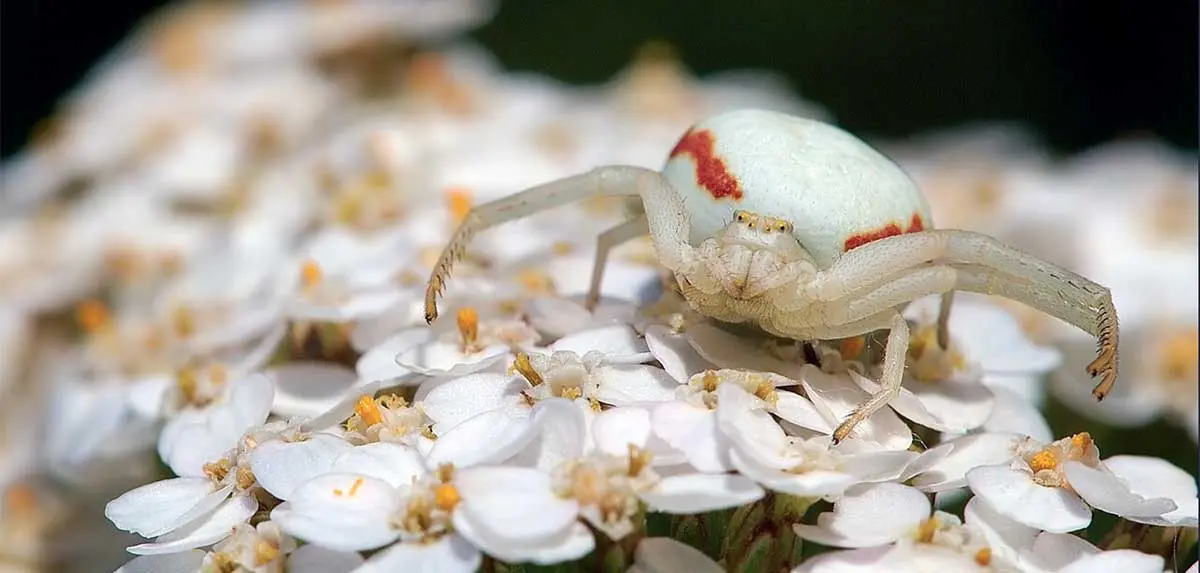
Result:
[1180,356]
[926,530]
[92,315]
[446,496]
[468,327]
[710,381]
[354,487]
[1043,460]
[764,390]
[186,381]
[218,373]
[984,557]
[182,322]
[570,392]
[445,473]
[348,207]
[310,273]
[459,203]
[562,247]
[639,459]
[522,366]
[368,410]
[852,348]
[536,281]
[265,553]
[245,478]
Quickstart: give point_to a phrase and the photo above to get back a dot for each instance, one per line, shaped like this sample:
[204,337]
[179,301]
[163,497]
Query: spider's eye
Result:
[782,228]
[741,217]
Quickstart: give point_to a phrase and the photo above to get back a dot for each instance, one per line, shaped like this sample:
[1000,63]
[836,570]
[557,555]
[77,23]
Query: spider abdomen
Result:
[837,191]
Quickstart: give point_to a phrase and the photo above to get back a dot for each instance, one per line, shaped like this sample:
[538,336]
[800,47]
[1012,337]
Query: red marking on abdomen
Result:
[711,172]
[916,225]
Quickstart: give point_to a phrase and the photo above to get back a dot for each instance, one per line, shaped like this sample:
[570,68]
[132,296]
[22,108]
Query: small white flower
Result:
[1055,486]
[803,467]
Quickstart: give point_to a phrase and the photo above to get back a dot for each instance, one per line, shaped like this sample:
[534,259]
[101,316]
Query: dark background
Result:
[1080,72]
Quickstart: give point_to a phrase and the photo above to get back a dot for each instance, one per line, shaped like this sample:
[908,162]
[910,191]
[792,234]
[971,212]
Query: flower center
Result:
[1046,463]
[927,361]
[947,531]
[388,418]
[311,274]
[815,456]
[756,383]
[1179,357]
[93,316]
[606,487]
[468,329]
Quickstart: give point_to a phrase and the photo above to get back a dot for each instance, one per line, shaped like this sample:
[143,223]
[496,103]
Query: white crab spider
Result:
[805,231]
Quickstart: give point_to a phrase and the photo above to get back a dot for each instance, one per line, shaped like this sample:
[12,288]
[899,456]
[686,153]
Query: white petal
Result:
[379,363]
[573,543]
[728,350]
[615,429]
[281,466]
[458,400]
[633,384]
[1053,551]
[159,507]
[837,396]
[1007,538]
[1013,494]
[147,396]
[796,409]
[490,437]
[394,463]
[945,466]
[494,498]
[1104,491]
[750,428]
[808,484]
[665,555]
[877,466]
[1017,415]
[309,388]
[450,553]
[1116,561]
[675,353]
[1153,477]
[698,493]
[868,515]
[250,400]
[205,530]
[439,358]
[344,512]
[182,562]
[556,317]
[558,432]
[618,341]
[314,559]
[693,431]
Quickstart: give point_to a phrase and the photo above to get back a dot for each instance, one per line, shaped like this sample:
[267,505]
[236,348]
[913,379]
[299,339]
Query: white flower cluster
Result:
[219,253]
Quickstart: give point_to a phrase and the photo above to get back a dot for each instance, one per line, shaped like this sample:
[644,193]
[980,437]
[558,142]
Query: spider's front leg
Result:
[665,216]
[890,379]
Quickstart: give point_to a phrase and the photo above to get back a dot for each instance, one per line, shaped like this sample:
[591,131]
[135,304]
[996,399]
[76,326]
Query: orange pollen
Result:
[710,381]
[446,497]
[20,499]
[310,273]
[852,347]
[1043,460]
[468,325]
[368,410]
[1081,440]
[92,315]
[183,322]
[459,203]
[983,557]
[354,487]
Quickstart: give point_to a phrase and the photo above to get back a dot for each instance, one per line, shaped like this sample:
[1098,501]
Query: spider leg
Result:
[890,379]
[943,320]
[994,268]
[666,217]
[607,241]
